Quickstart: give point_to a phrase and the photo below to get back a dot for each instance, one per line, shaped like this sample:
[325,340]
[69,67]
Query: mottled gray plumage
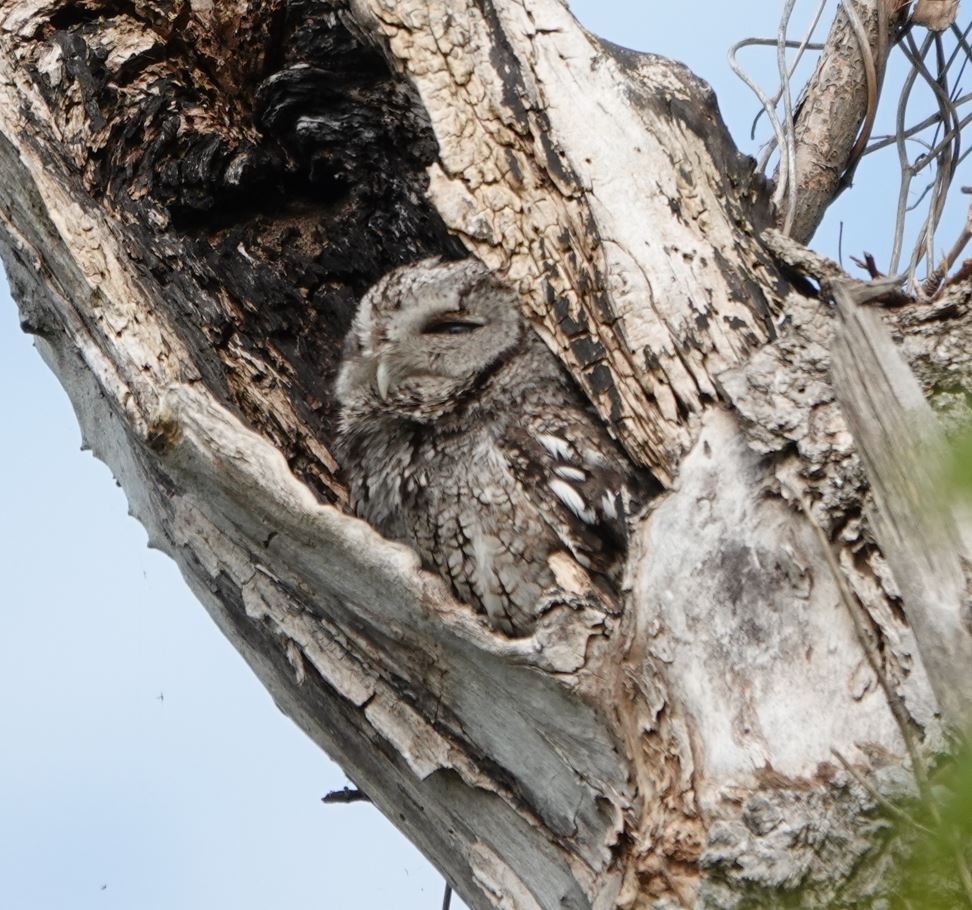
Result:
[462,436]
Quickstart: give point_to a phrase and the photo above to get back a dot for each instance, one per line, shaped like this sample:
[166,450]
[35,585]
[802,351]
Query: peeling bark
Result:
[194,198]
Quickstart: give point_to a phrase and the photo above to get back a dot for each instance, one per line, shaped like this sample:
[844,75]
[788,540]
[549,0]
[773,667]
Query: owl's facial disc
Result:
[449,324]
[425,337]
[437,346]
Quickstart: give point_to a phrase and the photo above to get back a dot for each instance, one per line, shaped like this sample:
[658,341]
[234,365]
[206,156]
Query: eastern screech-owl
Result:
[462,435]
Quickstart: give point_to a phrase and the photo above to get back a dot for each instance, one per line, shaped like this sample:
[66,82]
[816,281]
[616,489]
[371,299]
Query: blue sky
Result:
[210,797]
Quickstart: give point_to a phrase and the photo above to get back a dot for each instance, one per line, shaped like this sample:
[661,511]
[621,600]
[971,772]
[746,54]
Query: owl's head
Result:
[424,336]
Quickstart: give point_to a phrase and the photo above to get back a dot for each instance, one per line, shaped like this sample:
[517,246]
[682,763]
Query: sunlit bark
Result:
[193,199]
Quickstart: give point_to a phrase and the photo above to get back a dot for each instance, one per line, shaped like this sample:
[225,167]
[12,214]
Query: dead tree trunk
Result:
[194,197]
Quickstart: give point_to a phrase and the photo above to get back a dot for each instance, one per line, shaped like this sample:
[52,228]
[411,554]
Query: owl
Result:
[462,435]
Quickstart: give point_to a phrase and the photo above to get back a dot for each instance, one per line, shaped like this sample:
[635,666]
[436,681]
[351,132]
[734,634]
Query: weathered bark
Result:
[193,200]
[833,119]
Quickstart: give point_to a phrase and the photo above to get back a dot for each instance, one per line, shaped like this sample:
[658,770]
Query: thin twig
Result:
[935,280]
[789,147]
[876,795]
[932,119]
[870,75]
[801,48]
[921,196]
[945,157]
[447,897]
[933,151]
[961,44]
[903,163]
[940,134]
[770,109]
[955,101]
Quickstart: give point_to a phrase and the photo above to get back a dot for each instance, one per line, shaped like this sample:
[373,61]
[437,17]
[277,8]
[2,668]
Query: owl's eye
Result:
[453,325]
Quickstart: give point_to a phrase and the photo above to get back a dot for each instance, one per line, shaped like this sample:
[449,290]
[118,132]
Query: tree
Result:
[195,199]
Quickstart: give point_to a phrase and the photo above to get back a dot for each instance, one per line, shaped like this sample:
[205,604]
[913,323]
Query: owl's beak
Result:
[383,379]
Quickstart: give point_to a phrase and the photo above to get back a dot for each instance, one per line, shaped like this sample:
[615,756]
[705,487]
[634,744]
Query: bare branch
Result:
[769,107]
[824,138]
[782,132]
[945,156]
[834,120]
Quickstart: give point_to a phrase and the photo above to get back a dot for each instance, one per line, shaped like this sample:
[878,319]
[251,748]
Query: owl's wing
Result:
[583,485]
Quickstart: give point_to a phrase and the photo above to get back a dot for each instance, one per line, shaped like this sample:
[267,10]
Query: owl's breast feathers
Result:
[487,502]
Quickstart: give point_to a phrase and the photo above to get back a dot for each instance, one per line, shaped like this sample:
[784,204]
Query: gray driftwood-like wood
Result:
[193,198]
[904,452]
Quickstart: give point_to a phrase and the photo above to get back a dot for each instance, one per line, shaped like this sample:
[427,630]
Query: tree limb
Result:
[838,105]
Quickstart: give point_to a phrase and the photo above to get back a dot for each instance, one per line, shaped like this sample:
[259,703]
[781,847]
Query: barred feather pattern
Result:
[462,435]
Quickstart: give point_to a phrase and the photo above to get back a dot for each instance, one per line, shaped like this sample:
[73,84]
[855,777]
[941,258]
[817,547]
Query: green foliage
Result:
[960,466]
[934,875]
